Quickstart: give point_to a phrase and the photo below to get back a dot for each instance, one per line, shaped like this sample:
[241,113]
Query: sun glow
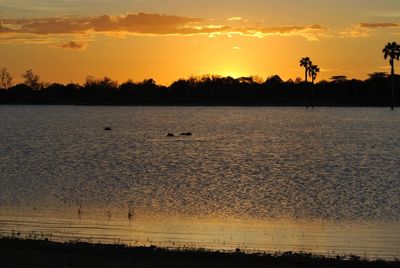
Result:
[232,72]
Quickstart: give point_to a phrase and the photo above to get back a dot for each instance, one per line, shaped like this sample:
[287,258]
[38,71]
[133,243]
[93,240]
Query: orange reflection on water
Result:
[371,239]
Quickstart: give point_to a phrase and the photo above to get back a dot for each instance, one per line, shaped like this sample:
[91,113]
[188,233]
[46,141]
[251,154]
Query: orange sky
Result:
[66,40]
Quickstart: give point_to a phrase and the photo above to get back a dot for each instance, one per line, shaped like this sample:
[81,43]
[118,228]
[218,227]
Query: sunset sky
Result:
[66,40]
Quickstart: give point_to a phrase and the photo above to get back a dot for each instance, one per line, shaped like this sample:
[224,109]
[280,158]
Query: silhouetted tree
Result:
[5,79]
[32,80]
[250,79]
[274,81]
[102,90]
[377,76]
[149,82]
[305,63]
[257,79]
[391,51]
[313,72]
[338,78]
[103,83]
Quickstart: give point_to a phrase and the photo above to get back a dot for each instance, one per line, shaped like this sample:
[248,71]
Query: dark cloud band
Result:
[140,23]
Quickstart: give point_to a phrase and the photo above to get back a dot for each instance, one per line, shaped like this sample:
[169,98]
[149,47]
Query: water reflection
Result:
[371,240]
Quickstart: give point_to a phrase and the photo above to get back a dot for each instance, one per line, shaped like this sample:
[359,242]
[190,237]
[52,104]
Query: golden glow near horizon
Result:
[66,40]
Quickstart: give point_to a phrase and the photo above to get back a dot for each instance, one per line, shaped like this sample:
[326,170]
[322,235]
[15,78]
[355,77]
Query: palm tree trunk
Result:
[306,75]
[306,90]
[312,94]
[392,86]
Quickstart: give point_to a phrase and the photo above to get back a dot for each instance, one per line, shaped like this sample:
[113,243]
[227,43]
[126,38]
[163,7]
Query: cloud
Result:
[235,19]
[367,29]
[379,25]
[317,27]
[355,32]
[4,29]
[134,23]
[150,24]
[73,45]
[311,33]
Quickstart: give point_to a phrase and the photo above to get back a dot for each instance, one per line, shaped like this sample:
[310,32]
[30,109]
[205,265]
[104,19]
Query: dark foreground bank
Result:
[34,253]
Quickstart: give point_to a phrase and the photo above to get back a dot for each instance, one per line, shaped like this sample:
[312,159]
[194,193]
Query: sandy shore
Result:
[42,253]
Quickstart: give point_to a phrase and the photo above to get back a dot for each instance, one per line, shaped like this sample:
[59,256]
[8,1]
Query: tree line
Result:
[376,90]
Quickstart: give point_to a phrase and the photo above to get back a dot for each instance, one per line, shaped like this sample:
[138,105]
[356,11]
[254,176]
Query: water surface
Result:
[325,180]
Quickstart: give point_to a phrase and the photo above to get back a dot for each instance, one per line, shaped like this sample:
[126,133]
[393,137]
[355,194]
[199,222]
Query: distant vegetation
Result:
[377,90]
[207,90]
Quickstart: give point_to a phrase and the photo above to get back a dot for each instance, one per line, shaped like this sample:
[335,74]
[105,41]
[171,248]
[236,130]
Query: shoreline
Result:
[222,105]
[45,253]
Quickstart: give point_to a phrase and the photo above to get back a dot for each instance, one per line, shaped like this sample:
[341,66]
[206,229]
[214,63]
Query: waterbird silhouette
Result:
[130,214]
[391,51]
[107,128]
[186,134]
[80,212]
[170,135]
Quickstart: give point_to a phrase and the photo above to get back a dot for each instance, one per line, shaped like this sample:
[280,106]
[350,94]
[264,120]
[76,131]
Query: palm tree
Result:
[306,63]
[313,72]
[392,51]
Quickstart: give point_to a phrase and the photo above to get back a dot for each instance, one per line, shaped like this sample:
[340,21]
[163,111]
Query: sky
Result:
[67,40]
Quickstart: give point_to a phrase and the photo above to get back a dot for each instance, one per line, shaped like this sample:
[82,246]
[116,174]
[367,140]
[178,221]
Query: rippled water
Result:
[322,180]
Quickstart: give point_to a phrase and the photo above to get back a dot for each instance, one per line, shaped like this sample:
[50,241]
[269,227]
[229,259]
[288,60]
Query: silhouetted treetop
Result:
[32,80]
[338,78]
[5,79]
[391,51]
[313,72]
[377,76]
[306,63]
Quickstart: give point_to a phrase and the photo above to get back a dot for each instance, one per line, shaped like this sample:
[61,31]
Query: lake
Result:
[323,180]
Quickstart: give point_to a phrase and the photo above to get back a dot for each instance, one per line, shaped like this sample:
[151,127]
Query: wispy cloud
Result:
[150,24]
[235,19]
[312,32]
[367,29]
[379,25]
[73,45]
[4,29]
[135,23]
